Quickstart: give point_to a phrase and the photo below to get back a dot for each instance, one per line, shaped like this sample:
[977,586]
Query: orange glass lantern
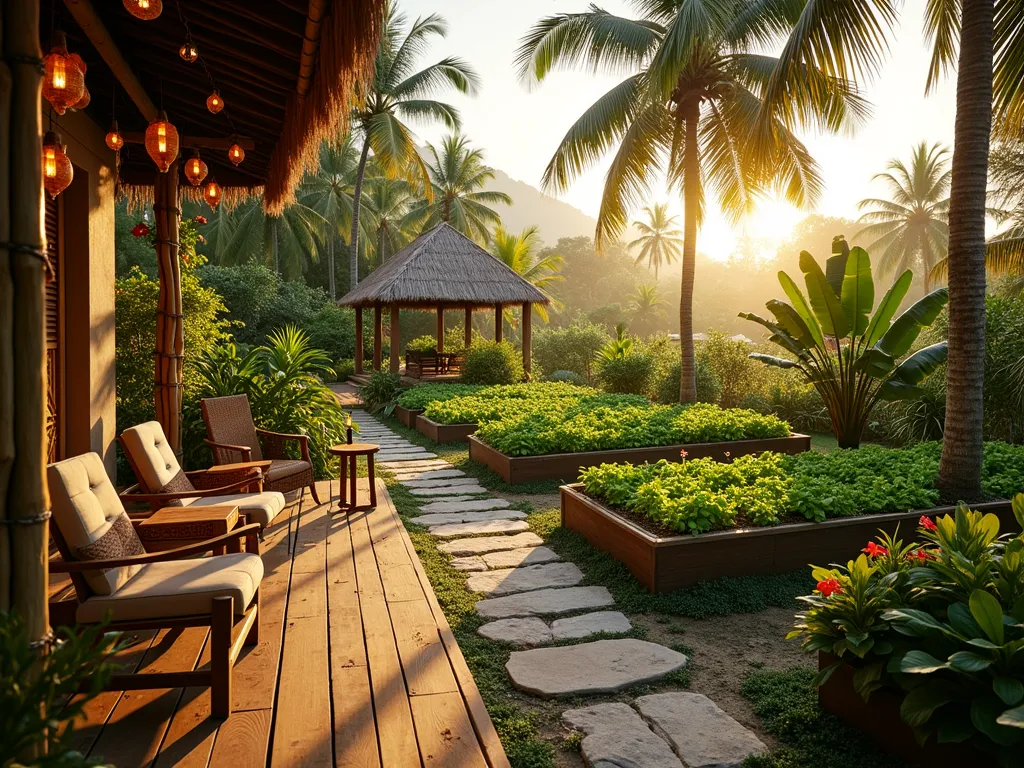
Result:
[113,138]
[189,52]
[162,142]
[147,10]
[236,154]
[83,102]
[212,194]
[195,170]
[214,102]
[64,80]
[57,170]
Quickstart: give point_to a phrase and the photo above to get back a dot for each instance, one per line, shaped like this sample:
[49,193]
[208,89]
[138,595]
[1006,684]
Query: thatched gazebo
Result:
[440,270]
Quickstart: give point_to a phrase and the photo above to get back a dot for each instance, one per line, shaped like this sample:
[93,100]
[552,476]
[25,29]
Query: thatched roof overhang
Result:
[443,268]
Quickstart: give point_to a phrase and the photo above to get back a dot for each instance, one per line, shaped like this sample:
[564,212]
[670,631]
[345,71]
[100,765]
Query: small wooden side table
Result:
[347,453]
[239,468]
[173,527]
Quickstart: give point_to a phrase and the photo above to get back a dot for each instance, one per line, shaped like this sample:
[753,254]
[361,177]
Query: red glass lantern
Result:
[83,102]
[162,142]
[236,154]
[113,138]
[214,102]
[195,170]
[64,80]
[57,169]
[189,52]
[147,10]
[212,194]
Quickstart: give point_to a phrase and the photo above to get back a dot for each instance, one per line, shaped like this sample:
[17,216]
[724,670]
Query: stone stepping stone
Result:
[469,517]
[415,465]
[545,602]
[463,505]
[471,563]
[604,666]
[443,482]
[524,632]
[404,456]
[475,529]
[616,737]
[461,547]
[701,734]
[430,474]
[514,558]
[508,581]
[575,627]
[459,490]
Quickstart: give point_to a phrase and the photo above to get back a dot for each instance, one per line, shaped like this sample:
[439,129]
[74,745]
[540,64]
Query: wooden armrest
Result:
[245,450]
[282,435]
[78,566]
[133,494]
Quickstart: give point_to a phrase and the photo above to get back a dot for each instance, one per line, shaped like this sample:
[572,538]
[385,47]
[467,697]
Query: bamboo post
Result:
[498,323]
[170,341]
[359,340]
[24,501]
[468,330]
[378,335]
[527,337]
[440,330]
[395,362]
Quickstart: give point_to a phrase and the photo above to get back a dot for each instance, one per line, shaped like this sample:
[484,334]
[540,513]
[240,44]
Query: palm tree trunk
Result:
[380,246]
[960,466]
[691,203]
[357,194]
[331,287]
[274,253]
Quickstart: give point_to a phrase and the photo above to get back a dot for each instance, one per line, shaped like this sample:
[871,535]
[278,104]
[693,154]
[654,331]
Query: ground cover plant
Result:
[502,401]
[939,621]
[699,495]
[596,426]
[418,398]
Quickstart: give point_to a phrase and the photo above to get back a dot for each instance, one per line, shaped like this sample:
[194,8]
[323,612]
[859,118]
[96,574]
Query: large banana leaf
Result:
[874,362]
[883,316]
[824,301]
[778,362]
[898,390]
[790,319]
[901,336]
[800,305]
[835,265]
[922,364]
[858,294]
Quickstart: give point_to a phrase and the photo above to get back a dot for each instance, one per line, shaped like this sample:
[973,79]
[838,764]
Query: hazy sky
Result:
[519,129]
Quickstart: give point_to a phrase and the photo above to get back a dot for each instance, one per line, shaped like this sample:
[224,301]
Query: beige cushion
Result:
[179,588]
[85,507]
[152,455]
[259,508]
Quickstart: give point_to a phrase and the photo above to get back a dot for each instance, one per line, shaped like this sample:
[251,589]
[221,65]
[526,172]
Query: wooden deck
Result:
[357,666]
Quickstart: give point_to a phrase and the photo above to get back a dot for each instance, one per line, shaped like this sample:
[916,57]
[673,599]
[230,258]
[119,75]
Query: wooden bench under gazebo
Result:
[440,270]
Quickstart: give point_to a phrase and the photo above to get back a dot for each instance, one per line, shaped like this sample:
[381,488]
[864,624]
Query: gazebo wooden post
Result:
[23,492]
[170,340]
[440,329]
[469,327]
[378,335]
[395,362]
[359,340]
[498,323]
[527,336]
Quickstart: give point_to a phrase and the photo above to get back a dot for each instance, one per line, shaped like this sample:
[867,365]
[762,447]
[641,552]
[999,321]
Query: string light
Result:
[113,138]
[195,170]
[64,79]
[57,169]
[162,142]
[214,102]
[189,52]
[236,154]
[147,10]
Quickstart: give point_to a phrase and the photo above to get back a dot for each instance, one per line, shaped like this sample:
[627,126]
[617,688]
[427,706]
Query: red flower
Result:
[830,587]
[927,523]
[683,453]
[873,550]
[140,230]
[921,556]
[199,219]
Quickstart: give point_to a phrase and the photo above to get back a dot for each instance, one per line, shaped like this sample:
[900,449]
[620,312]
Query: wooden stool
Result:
[349,453]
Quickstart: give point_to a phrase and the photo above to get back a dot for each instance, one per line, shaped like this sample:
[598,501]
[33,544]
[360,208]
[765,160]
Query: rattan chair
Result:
[232,435]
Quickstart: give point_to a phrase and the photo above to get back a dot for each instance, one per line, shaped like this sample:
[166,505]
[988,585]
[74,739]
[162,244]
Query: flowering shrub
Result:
[940,622]
[188,235]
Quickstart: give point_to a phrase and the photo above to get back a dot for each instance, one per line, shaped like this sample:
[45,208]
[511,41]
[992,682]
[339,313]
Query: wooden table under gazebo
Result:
[440,270]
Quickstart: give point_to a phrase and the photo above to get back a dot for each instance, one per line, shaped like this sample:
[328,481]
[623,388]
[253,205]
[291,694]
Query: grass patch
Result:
[788,706]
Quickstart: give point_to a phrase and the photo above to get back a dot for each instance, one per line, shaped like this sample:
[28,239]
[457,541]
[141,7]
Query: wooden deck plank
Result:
[302,728]
[345,623]
[242,740]
[424,660]
[445,734]
[355,729]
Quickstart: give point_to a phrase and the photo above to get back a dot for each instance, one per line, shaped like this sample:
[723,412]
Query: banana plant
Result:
[849,353]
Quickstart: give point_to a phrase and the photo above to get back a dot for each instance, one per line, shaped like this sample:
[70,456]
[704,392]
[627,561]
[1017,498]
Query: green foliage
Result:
[791,399]
[569,349]
[850,355]
[344,368]
[506,401]
[709,388]
[333,329]
[632,373]
[939,621]
[418,398]
[39,693]
[490,363]
[729,362]
[568,377]
[422,344]
[380,392]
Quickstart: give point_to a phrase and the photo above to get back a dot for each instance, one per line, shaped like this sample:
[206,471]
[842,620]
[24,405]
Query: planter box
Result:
[444,433]
[566,466]
[406,416]
[663,564]
[879,718]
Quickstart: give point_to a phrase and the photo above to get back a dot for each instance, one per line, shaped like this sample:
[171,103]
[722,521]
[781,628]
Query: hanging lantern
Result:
[195,170]
[147,10]
[162,142]
[214,102]
[57,170]
[236,154]
[189,52]
[212,194]
[113,138]
[83,102]
[64,80]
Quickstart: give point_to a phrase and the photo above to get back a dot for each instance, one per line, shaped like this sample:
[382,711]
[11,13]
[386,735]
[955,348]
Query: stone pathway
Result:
[532,599]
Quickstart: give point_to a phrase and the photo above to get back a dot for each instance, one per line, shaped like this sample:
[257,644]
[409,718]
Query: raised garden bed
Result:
[665,563]
[566,466]
[407,416]
[879,718]
[444,433]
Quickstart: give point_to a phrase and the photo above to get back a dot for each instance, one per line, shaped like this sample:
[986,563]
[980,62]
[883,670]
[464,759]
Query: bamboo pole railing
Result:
[170,339]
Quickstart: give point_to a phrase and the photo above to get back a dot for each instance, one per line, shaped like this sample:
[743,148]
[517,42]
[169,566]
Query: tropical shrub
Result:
[418,398]
[729,361]
[630,374]
[344,368]
[709,388]
[422,344]
[792,400]
[569,377]
[850,355]
[380,392]
[488,362]
[938,621]
[333,329]
[570,349]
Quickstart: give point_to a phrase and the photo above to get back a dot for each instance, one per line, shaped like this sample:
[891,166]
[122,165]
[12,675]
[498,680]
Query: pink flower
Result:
[873,550]
[683,454]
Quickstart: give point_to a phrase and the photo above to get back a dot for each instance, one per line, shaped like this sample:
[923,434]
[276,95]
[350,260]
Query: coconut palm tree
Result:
[691,110]
[387,201]
[647,306]
[286,243]
[659,242]
[909,230]
[400,93]
[457,177]
[520,253]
